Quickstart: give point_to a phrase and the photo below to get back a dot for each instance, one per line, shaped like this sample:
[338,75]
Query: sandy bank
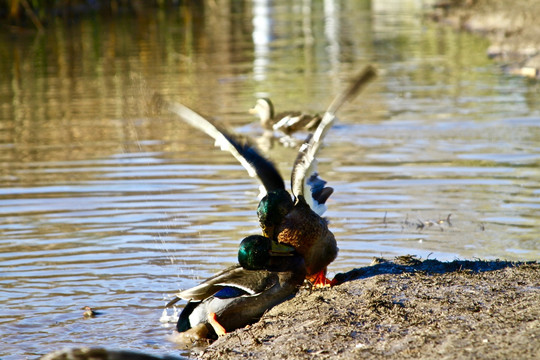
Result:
[402,309]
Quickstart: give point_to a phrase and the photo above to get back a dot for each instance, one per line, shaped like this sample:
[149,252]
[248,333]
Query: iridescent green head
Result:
[257,252]
[254,252]
[272,209]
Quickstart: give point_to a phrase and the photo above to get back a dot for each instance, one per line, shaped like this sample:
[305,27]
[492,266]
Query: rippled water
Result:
[107,204]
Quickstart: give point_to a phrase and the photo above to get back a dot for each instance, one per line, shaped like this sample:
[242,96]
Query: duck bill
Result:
[253,111]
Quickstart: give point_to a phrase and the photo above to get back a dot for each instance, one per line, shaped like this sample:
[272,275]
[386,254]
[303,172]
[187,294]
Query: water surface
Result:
[107,203]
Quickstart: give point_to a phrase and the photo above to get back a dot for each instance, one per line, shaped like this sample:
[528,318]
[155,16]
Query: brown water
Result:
[107,204]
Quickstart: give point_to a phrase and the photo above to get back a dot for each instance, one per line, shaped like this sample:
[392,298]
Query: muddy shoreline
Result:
[402,309]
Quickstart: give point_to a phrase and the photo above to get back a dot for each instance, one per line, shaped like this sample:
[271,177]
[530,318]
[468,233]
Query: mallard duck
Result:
[258,252]
[267,275]
[290,122]
[286,122]
[296,220]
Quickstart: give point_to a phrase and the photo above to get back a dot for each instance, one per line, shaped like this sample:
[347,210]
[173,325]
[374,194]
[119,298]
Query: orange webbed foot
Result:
[218,328]
[319,280]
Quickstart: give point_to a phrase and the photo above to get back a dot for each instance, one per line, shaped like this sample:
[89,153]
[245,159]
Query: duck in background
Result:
[290,122]
[286,122]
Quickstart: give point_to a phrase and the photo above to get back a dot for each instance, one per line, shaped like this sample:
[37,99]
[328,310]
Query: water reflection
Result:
[107,203]
[262,36]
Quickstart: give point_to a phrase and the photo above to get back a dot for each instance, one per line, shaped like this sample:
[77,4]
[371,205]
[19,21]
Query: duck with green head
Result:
[296,220]
[268,273]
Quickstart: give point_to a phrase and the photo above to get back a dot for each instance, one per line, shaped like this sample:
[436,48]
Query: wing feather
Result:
[246,154]
[250,281]
[306,164]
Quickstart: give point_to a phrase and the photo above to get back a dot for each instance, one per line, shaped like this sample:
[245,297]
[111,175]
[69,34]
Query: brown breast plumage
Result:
[308,233]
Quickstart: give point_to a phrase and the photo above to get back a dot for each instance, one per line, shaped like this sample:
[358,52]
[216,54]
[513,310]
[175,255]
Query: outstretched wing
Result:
[247,155]
[304,173]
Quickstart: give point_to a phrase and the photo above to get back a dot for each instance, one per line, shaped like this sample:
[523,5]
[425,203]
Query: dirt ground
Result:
[402,309]
[511,26]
